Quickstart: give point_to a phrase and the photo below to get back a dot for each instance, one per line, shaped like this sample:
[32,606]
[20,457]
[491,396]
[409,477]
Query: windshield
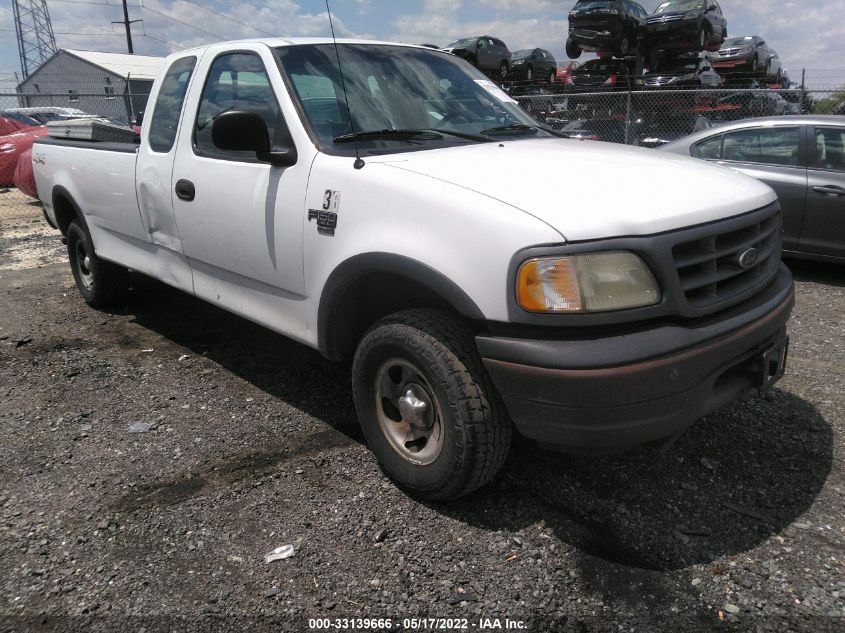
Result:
[589,5]
[467,41]
[679,5]
[396,88]
[738,41]
[676,66]
[601,66]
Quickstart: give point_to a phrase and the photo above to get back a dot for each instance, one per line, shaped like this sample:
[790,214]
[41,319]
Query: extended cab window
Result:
[168,105]
[769,146]
[236,81]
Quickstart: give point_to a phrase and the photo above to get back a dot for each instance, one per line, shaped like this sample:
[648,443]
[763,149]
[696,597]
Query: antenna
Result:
[359,162]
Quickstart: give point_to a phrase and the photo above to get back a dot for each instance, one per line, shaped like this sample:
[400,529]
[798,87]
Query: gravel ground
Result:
[253,444]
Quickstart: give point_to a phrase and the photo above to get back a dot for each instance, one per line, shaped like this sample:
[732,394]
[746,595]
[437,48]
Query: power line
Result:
[188,24]
[228,17]
[165,42]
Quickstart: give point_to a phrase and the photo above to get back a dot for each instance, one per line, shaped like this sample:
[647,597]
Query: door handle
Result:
[185,190]
[830,190]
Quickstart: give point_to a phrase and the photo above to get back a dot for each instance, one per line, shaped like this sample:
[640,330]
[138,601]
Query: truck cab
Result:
[366,199]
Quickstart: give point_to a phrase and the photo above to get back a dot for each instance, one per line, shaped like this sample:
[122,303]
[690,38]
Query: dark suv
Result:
[693,25]
[605,25]
[602,74]
[532,64]
[488,54]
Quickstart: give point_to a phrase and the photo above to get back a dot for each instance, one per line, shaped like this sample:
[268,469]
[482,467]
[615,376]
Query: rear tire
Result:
[101,283]
[529,74]
[427,406]
[573,51]
[503,70]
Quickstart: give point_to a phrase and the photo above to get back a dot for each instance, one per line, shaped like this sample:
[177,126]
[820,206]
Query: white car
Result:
[399,216]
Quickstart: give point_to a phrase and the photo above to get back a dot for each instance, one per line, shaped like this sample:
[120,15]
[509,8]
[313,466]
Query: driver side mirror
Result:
[240,131]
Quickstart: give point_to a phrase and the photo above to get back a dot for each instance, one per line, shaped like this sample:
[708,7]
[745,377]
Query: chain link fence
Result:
[120,108]
[651,118]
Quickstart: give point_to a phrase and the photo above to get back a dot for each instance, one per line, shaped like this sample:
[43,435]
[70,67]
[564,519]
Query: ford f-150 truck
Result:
[370,200]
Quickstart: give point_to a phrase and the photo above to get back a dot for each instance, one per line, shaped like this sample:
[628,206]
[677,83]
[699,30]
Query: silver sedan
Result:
[802,158]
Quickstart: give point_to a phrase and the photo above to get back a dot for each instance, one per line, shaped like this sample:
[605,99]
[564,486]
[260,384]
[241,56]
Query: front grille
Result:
[729,52]
[660,81]
[663,19]
[709,269]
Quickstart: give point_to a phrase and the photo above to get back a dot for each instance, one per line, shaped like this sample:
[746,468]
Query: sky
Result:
[806,33]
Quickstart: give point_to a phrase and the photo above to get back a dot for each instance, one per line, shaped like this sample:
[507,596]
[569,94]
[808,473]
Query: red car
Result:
[563,72]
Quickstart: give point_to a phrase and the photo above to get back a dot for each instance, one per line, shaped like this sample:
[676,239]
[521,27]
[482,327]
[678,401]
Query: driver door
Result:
[240,220]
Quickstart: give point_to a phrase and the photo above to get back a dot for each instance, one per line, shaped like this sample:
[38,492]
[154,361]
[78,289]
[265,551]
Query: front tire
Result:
[529,74]
[101,283]
[573,51]
[427,406]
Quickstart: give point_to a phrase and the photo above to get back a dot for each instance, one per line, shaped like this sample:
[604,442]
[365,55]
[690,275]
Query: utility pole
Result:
[126,22]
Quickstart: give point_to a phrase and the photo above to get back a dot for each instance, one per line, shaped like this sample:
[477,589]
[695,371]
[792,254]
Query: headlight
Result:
[517,62]
[691,15]
[745,49]
[589,282]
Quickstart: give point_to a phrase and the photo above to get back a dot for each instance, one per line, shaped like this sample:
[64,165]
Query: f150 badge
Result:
[327,216]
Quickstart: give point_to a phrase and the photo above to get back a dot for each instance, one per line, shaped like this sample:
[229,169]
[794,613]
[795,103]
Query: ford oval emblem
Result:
[748,259]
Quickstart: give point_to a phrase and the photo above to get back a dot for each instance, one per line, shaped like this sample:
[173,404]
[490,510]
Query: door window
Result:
[710,149]
[769,146]
[168,105]
[830,148]
[236,81]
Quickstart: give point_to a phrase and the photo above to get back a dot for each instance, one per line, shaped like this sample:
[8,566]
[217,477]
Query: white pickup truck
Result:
[480,273]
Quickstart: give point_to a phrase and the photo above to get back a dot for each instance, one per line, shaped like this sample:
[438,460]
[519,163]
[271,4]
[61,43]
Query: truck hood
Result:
[590,190]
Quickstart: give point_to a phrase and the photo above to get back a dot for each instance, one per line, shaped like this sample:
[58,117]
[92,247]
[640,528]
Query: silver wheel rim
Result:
[529,74]
[703,38]
[408,413]
[83,266]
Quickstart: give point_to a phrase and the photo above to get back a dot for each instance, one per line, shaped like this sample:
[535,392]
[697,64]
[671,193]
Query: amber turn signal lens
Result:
[549,285]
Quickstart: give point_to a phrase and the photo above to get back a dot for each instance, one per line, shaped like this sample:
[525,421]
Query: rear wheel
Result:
[503,70]
[702,38]
[427,406]
[101,283]
[552,77]
[529,74]
[573,51]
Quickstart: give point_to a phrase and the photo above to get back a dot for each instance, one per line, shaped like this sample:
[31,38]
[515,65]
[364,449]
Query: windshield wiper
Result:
[519,128]
[391,134]
[407,135]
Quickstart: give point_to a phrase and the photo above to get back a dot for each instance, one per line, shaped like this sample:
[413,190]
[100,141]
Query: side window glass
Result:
[168,105]
[481,44]
[830,148]
[711,149]
[770,146]
[237,81]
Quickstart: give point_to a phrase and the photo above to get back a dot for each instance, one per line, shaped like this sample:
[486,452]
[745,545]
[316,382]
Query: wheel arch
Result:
[369,286]
[65,208]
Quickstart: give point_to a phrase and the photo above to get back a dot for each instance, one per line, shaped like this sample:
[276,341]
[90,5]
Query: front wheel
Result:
[529,74]
[702,38]
[101,283]
[573,51]
[503,70]
[427,407]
